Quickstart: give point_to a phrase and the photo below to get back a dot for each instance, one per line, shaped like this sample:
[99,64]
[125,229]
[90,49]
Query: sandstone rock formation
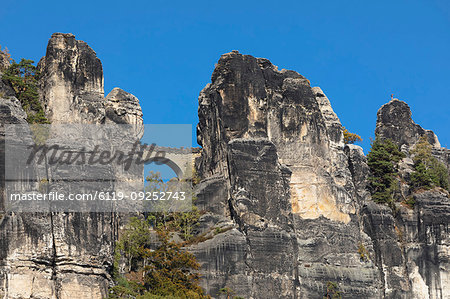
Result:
[394,121]
[71,81]
[273,158]
[285,202]
[11,111]
[274,163]
[418,238]
[64,254]
[122,107]
[250,98]
[71,85]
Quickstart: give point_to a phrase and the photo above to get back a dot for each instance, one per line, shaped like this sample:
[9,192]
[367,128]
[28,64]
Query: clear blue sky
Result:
[358,52]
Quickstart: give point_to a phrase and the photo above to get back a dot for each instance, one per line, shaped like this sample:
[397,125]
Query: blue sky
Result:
[358,52]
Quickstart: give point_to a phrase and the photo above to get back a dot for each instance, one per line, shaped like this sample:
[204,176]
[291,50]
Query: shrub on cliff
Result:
[382,160]
[171,271]
[332,291]
[428,171]
[23,77]
[5,58]
[350,138]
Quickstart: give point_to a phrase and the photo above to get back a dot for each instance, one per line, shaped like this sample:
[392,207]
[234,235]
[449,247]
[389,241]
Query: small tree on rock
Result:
[382,160]
[429,171]
[350,138]
[23,77]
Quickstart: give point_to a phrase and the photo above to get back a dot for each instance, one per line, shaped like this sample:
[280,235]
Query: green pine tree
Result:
[23,77]
[169,271]
[429,172]
[382,160]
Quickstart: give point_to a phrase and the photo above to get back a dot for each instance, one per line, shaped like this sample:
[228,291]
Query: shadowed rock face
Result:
[71,86]
[394,122]
[274,163]
[11,111]
[51,255]
[59,255]
[411,245]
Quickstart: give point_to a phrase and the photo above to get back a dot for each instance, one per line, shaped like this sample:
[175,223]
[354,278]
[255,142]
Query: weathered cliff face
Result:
[412,246]
[394,121]
[122,107]
[286,202]
[274,163]
[63,255]
[273,160]
[71,85]
[427,239]
[250,98]
[11,111]
[56,255]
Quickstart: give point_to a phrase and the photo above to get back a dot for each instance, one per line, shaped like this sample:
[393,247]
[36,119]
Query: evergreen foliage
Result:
[170,271]
[429,171]
[23,77]
[382,160]
[332,291]
[165,272]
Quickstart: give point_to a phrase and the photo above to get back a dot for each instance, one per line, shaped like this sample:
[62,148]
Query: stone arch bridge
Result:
[180,160]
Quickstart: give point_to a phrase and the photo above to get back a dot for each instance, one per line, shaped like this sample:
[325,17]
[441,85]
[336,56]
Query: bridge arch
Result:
[168,162]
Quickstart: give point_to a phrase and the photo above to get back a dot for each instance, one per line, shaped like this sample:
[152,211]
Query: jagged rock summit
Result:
[122,107]
[273,162]
[394,121]
[71,85]
[250,98]
[71,81]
